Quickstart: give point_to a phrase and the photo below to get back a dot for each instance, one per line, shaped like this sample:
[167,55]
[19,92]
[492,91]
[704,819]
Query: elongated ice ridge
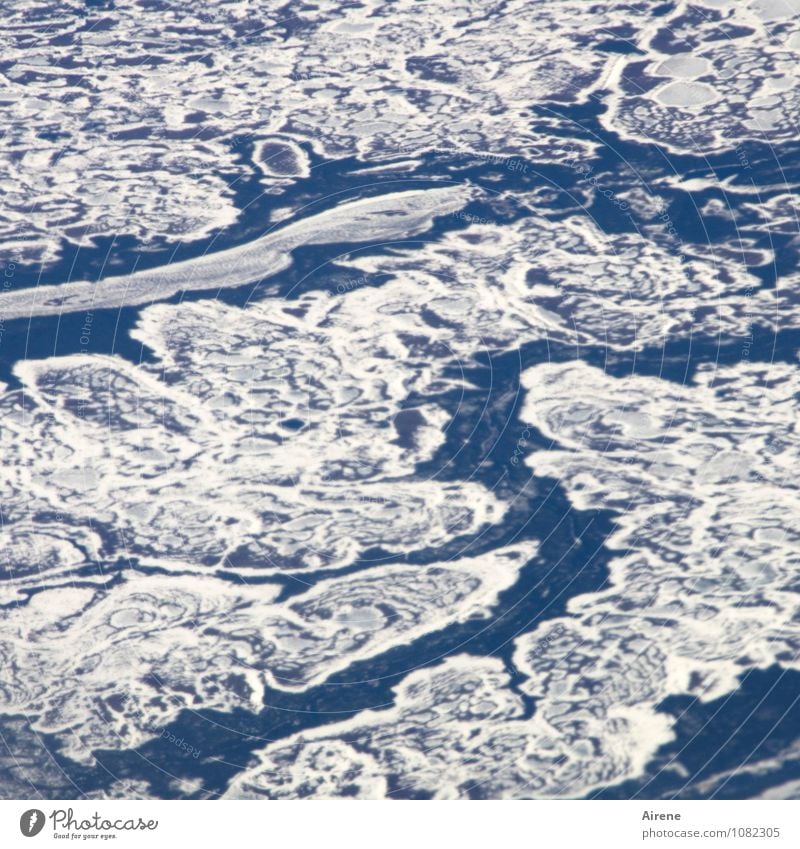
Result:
[375,219]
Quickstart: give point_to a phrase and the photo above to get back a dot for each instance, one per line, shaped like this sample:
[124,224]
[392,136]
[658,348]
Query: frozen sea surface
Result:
[400,400]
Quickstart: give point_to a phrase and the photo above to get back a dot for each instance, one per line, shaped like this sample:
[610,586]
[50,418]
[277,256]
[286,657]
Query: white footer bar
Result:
[402,825]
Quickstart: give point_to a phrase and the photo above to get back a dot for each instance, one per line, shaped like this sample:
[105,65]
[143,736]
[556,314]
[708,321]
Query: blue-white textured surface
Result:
[400,399]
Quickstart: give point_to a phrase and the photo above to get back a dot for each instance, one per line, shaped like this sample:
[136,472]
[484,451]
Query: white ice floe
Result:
[686,94]
[703,580]
[153,148]
[135,124]
[735,78]
[263,439]
[456,731]
[497,286]
[109,668]
[279,157]
[256,440]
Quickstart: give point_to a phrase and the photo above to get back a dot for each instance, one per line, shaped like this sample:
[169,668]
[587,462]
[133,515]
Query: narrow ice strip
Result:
[376,219]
